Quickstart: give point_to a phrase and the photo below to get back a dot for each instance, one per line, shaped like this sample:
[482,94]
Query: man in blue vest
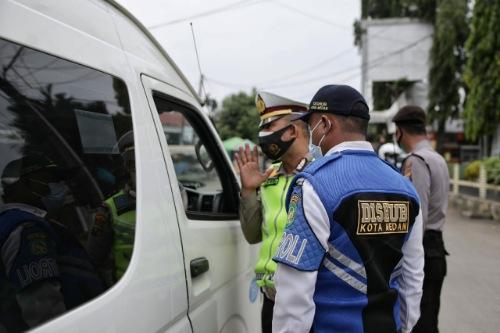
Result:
[44,271]
[351,257]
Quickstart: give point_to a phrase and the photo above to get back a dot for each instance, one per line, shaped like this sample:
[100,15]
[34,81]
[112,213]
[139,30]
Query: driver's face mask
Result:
[272,145]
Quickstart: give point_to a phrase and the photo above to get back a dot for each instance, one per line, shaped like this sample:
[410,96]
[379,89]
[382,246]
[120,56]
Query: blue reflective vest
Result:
[371,210]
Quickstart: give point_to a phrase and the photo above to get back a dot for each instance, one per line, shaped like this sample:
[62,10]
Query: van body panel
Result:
[137,45]
[27,26]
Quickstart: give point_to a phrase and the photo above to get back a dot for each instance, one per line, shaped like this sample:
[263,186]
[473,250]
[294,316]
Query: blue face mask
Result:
[54,201]
[315,150]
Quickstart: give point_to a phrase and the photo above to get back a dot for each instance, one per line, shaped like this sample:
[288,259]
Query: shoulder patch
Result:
[292,209]
[406,170]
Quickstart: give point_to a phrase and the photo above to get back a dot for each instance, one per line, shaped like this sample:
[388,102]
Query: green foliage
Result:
[386,92]
[447,60]
[239,117]
[482,73]
[423,9]
[492,166]
[380,9]
[472,170]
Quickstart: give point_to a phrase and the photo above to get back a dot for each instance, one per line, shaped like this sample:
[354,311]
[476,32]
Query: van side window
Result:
[207,186]
[67,190]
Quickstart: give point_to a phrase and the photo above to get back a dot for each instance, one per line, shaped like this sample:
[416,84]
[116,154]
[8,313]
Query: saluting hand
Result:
[250,174]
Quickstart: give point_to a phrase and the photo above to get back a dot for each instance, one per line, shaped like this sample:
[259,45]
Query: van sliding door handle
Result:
[199,266]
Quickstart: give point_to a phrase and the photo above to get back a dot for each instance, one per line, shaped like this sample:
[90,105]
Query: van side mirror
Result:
[203,157]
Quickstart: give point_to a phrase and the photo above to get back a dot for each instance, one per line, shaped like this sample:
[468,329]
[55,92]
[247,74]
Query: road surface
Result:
[470,301]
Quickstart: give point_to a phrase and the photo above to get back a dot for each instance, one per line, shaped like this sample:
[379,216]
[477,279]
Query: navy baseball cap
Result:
[338,99]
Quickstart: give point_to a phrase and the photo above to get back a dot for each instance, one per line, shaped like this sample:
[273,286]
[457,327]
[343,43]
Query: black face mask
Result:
[398,140]
[272,145]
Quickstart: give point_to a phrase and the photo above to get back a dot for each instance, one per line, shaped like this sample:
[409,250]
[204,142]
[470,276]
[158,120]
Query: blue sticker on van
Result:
[253,291]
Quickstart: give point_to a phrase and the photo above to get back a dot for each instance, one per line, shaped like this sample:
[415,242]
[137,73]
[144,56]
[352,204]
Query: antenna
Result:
[201,87]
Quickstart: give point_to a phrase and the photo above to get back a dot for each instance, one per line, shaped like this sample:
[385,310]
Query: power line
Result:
[295,74]
[310,68]
[284,77]
[311,16]
[320,19]
[375,63]
[236,5]
[381,58]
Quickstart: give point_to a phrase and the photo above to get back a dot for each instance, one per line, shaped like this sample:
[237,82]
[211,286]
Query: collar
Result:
[25,208]
[350,145]
[422,144]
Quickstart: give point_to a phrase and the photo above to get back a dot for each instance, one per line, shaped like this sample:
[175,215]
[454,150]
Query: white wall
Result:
[394,49]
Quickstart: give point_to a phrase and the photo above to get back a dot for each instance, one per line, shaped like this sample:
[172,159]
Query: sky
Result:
[288,47]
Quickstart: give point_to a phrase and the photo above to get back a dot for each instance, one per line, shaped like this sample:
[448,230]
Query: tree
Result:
[447,59]
[422,9]
[482,73]
[239,117]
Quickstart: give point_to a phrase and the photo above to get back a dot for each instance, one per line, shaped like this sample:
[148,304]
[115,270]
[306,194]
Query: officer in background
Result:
[351,257]
[283,139]
[44,270]
[429,173]
[111,239]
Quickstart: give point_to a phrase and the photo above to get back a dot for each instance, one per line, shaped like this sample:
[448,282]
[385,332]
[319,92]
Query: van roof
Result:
[125,12]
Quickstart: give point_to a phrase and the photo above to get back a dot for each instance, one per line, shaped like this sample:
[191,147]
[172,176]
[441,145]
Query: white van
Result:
[77,78]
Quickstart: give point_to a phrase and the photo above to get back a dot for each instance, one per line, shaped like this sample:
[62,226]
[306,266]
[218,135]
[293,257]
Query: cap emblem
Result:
[319,106]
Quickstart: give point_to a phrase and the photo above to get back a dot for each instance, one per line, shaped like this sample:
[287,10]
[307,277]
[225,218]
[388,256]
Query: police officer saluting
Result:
[284,139]
[351,257]
[429,173]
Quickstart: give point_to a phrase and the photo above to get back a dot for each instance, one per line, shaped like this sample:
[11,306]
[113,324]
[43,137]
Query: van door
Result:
[218,260]
[77,165]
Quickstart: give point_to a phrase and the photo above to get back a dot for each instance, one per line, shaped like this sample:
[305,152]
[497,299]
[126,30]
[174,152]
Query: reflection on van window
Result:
[199,182]
[67,190]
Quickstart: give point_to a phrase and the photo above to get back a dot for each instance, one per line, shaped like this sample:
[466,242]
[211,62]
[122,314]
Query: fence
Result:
[476,198]
[480,184]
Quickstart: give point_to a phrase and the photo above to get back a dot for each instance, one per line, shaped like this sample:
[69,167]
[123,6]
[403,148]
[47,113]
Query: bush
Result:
[472,170]
[492,166]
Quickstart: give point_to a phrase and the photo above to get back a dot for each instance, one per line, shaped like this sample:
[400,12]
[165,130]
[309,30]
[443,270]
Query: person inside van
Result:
[111,239]
[44,270]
